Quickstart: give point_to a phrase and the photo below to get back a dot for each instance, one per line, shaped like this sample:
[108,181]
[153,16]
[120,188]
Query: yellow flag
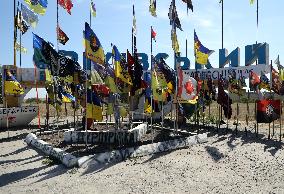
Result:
[147,107]
[94,112]
[159,86]
[109,110]
[175,44]
[281,74]
[38,7]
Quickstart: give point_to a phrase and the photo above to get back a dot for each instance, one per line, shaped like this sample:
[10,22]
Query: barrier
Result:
[120,155]
[66,158]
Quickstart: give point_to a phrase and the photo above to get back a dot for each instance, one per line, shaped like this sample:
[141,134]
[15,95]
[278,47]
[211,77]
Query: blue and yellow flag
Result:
[29,16]
[120,71]
[94,49]
[68,98]
[264,82]
[201,52]
[11,85]
[37,6]
[94,109]
[39,59]
[93,9]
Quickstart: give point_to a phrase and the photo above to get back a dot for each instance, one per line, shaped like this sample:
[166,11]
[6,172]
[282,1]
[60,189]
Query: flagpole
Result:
[15,34]
[151,85]
[91,15]
[57,22]
[257,13]
[222,24]
[175,63]
[86,102]
[132,43]
[221,111]
[21,50]
[55,89]
[91,68]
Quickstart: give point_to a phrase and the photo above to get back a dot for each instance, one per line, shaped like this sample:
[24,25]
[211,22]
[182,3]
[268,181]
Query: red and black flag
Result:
[276,83]
[268,110]
[135,70]
[66,4]
[224,100]
[189,5]
[153,34]
[61,36]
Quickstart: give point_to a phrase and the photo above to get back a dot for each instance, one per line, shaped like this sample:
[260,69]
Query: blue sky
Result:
[114,21]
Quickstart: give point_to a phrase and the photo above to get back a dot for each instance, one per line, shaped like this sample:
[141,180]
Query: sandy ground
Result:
[227,163]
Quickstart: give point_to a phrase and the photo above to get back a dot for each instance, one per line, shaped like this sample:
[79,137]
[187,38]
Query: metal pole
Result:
[222,24]
[15,34]
[257,13]
[176,65]
[151,85]
[91,15]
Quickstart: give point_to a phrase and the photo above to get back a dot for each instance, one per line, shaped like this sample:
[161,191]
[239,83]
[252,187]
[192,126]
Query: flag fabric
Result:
[251,2]
[175,44]
[21,48]
[201,52]
[254,80]
[169,75]
[95,78]
[264,82]
[61,36]
[119,66]
[147,106]
[66,4]
[135,71]
[189,4]
[281,74]
[11,85]
[21,24]
[235,85]
[29,16]
[37,6]
[158,84]
[280,68]
[101,89]
[276,84]
[67,98]
[110,80]
[153,34]
[173,16]
[48,77]
[187,88]
[39,59]
[153,8]
[134,29]
[109,110]
[130,60]
[268,110]
[93,9]
[94,109]
[94,50]
[224,100]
